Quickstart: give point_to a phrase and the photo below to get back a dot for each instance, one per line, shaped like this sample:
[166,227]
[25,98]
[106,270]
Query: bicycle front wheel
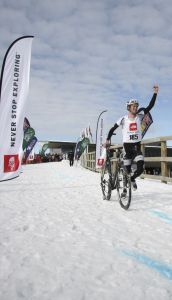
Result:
[124,189]
[106,180]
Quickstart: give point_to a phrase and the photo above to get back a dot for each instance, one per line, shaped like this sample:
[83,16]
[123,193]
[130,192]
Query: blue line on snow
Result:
[161,268]
[162,216]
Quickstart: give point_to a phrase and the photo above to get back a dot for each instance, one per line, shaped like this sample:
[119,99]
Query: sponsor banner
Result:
[26,124]
[44,149]
[14,85]
[28,135]
[81,146]
[146,122]
[100,139]
[30,147]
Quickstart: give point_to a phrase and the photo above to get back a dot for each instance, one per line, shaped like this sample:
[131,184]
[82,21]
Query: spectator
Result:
[71,158]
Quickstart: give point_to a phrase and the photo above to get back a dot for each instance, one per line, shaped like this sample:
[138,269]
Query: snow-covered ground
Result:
[60,240]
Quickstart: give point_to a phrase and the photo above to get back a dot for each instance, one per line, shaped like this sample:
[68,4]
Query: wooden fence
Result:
[88,160]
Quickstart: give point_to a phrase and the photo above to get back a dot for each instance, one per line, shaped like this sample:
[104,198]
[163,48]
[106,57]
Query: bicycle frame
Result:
[117,180]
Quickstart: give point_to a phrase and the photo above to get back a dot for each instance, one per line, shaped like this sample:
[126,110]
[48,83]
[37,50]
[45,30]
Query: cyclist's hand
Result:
[106,144]
[156,88]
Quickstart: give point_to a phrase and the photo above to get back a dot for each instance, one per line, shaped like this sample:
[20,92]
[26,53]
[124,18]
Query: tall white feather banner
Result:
[14,86]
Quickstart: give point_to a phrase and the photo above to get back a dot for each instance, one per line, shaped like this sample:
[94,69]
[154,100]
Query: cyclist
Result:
[132,135]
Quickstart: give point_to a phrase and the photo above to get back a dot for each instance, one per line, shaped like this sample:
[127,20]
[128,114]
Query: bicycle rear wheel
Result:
[124,189]
[106,180]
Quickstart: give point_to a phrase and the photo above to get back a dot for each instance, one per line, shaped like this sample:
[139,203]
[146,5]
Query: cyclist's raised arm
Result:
[152,102]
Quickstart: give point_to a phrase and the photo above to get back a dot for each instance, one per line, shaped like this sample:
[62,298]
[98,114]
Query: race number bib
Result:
[134,137]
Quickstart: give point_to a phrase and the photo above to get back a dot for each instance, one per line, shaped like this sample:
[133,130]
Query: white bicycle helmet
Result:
[132,101]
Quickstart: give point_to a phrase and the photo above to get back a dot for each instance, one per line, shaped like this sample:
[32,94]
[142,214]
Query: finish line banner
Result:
[14,86]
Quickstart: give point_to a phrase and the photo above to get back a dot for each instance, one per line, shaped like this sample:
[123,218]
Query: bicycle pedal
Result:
[123,195]
[134,185]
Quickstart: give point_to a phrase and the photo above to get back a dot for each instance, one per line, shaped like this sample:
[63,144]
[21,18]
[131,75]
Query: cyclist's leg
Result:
[138,172]
[127,157]
[140,165]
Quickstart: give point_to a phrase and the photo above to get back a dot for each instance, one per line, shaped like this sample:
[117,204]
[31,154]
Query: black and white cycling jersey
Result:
[131,128]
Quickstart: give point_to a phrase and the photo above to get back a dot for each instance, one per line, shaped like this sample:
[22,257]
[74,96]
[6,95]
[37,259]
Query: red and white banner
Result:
[14,86]
[100,139]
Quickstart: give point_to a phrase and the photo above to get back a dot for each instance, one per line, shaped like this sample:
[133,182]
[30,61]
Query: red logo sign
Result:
[11,163]
[100,162]
[133,127]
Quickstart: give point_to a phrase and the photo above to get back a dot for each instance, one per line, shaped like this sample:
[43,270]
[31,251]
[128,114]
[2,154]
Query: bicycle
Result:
[118,180]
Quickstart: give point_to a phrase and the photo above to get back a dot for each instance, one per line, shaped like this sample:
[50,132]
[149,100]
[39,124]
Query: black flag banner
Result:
[81,146]
[146,123]
[26,124]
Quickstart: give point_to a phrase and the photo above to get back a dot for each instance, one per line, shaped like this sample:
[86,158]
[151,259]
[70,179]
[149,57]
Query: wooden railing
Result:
[165,162]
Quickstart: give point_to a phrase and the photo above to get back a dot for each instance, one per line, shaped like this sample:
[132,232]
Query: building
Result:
[61,147]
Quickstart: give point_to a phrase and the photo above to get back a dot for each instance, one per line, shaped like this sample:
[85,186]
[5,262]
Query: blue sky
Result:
[91,55]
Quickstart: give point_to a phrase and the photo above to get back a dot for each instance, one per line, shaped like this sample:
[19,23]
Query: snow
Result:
[60,240]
